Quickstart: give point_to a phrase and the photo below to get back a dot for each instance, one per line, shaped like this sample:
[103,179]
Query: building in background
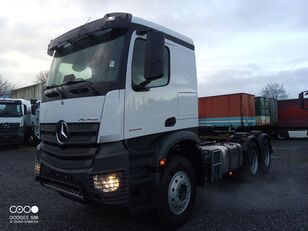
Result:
[5,96]
[29,92]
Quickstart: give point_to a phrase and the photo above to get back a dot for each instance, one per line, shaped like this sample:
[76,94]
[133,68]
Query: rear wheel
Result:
[266,157]
[251,163]
[177,192]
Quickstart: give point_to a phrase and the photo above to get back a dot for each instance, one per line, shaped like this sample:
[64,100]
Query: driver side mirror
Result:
[302,99]
[154,55]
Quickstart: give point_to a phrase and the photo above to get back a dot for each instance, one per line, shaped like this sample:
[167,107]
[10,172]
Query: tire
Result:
[266,157]
[31,139]
[282,135]
[177,192]
[251,163]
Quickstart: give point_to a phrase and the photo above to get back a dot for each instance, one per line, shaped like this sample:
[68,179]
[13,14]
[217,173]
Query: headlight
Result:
[37,168]
[107,183]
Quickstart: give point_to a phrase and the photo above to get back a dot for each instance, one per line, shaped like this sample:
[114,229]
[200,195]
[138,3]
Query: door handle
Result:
[170,122]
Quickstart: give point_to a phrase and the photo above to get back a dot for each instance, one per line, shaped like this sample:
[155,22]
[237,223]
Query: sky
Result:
[240,46]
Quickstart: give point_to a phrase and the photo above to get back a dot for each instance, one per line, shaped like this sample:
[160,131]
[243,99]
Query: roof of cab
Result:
[117,20]
[158,27]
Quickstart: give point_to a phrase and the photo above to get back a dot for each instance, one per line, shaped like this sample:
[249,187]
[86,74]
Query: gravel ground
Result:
[277,201]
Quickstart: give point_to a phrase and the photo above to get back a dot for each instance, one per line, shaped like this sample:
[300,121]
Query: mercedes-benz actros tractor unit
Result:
[119,121]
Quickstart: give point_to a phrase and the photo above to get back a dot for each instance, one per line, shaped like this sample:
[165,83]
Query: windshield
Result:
[10,110]
[95,63]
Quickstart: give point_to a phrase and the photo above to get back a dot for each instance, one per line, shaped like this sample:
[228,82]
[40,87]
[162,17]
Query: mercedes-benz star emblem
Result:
[62,132]
[6,125]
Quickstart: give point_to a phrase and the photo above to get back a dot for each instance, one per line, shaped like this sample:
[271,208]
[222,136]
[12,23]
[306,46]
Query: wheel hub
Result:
[179,192]
[182,191]
[267,156]
[254,162]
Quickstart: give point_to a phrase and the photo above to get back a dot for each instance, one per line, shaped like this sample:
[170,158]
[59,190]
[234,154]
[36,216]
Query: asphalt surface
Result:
[277,201]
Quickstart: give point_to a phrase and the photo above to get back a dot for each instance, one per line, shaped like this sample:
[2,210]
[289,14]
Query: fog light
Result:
[107,183]
[37,168]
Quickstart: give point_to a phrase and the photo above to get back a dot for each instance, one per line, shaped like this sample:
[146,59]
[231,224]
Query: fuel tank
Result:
[225,157]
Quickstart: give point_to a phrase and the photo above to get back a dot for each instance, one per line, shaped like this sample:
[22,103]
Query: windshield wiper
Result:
[51,94]
[72,82]
[66,83]
[57,86]
[79,80]
[75,81]
[51,86]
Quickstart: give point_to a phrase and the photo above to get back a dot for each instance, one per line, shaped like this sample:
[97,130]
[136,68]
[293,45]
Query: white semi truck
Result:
[119,121]
[16,121]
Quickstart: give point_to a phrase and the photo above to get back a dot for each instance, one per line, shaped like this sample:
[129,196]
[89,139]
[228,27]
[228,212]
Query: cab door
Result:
[154,110]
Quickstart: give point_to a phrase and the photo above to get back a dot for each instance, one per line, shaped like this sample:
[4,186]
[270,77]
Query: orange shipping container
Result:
[227,110]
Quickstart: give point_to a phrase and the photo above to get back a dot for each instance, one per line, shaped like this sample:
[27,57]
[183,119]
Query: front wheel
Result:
[31,139]
[177,192]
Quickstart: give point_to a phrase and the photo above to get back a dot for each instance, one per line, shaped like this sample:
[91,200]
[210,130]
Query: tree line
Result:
[6,86]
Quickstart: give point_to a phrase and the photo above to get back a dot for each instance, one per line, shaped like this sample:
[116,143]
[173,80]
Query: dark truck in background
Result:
[303,100]
[245,112]
[291,118]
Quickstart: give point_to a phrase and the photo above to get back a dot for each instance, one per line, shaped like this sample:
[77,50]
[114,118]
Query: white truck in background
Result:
[119,121]
[17,121]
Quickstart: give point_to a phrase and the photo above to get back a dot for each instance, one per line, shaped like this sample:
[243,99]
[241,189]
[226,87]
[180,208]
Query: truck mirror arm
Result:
[140,87]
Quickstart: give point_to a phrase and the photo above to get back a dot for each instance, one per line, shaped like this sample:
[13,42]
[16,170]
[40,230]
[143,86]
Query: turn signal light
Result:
[162,162]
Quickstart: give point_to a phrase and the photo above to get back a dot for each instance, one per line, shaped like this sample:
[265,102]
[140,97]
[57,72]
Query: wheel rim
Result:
[179,192]
[267,156]
[254,162]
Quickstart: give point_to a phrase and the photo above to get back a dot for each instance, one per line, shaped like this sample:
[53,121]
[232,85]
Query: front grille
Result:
[79,133]
[119,196]
[9,129]
[77,152]
[64,189]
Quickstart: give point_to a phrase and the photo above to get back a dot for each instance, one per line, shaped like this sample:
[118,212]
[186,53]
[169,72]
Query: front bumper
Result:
[12,136]
[9,140]
[77,183]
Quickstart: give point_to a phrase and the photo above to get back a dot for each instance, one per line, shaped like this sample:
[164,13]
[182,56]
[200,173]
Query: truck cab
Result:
[119,121]
[14,120]
[303,100]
